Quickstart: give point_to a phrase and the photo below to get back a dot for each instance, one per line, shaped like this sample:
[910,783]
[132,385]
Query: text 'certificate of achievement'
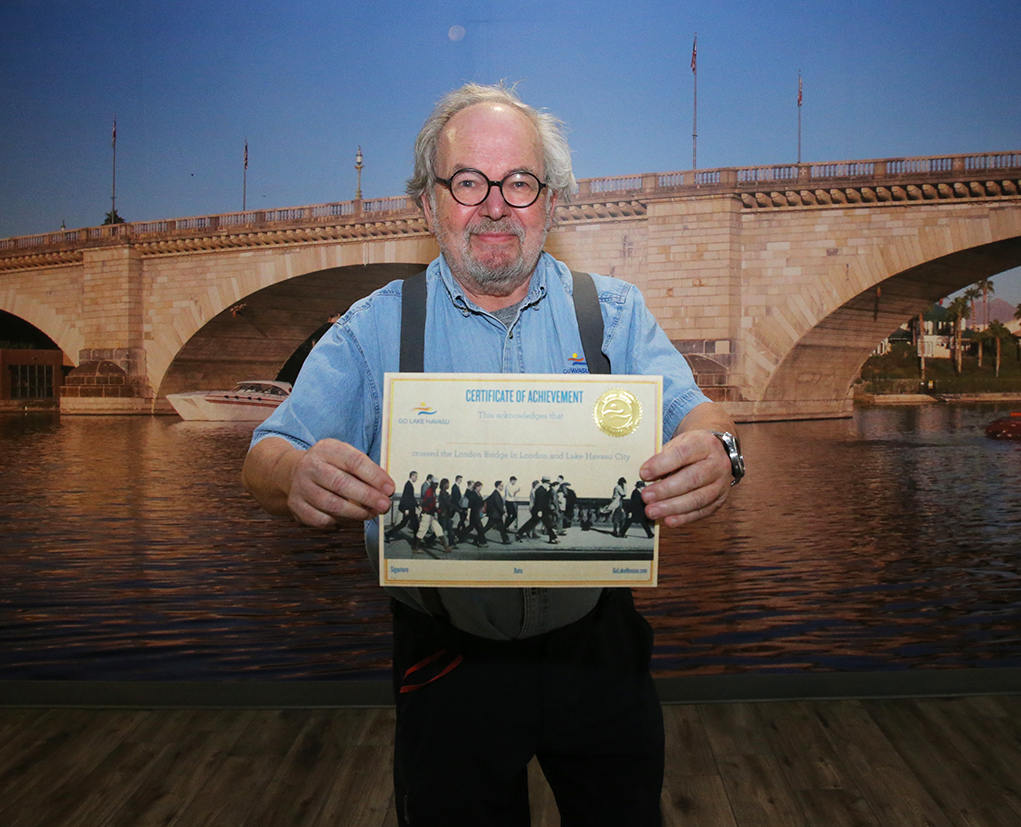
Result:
[519,479]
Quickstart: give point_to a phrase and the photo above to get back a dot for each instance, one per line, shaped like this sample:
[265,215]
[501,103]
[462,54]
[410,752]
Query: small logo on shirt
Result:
[576,364]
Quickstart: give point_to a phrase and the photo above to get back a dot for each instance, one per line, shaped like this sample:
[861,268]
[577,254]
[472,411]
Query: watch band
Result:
[733,448]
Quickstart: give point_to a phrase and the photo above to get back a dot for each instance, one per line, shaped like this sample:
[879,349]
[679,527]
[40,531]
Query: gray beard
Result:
[490,280]
[496,279]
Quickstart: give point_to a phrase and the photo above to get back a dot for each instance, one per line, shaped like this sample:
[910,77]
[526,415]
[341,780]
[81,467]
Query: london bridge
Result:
[776,281]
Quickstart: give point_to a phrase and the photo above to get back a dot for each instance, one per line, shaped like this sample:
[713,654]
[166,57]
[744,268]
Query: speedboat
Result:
[250,401]
[1007,427]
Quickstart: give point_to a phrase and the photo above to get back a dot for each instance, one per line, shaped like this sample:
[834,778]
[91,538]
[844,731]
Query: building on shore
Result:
[30,378]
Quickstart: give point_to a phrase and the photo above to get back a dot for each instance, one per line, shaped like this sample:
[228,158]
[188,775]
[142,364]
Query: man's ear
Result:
[551,208]
[427,210]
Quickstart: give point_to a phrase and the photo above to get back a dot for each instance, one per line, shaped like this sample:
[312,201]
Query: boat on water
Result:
[250,401]
[1006,427]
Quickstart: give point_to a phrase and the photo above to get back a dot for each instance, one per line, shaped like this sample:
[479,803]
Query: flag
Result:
[694,53]
[113,139]
[246,154]
[799,89]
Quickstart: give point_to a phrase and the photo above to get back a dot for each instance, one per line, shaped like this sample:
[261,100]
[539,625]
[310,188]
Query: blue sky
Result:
[309,81]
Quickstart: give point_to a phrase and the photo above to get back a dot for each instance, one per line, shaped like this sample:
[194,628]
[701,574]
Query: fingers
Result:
[333,482]
[689,479]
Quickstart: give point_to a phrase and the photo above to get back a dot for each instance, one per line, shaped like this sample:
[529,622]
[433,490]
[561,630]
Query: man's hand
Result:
[690,478]
[329,483]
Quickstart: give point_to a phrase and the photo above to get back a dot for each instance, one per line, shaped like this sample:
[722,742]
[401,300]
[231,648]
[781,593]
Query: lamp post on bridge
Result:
[358,168]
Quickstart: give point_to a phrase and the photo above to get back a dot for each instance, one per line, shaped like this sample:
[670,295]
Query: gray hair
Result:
[555,150]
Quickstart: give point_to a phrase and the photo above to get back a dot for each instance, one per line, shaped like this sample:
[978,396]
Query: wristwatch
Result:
[733,449]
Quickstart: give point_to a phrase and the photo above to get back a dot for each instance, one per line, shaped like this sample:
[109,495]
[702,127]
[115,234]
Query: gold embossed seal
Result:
[617,412]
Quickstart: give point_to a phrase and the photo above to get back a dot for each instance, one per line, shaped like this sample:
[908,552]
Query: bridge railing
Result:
[803,174]
[843,169]
[364,210]
[999,160]
[615,184]
[647,184]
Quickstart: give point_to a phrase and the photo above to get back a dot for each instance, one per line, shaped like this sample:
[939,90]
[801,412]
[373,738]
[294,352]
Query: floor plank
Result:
[876,769]
[800,744]
[836,808]
[55,779]
[688,750]
[735,729]
[541,803]
[758,792]
[696,801]
[181,769]
[929,761]
[967,782]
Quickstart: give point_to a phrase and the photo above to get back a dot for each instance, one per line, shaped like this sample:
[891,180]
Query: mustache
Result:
[489,225]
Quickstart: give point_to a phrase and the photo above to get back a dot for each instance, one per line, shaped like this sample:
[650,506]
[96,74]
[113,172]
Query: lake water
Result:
[129,551]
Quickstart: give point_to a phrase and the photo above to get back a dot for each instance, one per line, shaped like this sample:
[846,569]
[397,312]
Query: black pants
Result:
[546,518]
[642,520]
[497,523]
[409,518]
[471,713]
[474,524]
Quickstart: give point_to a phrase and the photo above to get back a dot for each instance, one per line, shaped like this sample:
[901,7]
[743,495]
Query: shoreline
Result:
[52,406]
[933,399]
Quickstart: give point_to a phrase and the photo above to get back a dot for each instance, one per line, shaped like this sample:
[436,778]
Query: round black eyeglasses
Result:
[470,188]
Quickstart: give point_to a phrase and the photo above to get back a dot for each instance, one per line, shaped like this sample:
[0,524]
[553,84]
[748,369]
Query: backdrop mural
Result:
[129,550]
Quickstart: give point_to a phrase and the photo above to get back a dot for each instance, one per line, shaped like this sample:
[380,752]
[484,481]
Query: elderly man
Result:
[487,678]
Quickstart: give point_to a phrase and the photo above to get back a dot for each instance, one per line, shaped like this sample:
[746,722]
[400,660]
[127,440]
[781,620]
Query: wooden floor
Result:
[890,763]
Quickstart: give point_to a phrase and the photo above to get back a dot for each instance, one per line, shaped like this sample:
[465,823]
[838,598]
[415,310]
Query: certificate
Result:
[518,479]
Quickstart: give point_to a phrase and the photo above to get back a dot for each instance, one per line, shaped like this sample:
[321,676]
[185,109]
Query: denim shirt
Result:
[339,395]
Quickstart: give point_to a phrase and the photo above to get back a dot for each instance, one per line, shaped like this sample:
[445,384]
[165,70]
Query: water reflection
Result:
[130,551]
[889,541]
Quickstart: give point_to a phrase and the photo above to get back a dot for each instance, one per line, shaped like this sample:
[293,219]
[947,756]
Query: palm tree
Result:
[920,344]
[919,327]
[981,336]
[1017,339]
[999,332]
[986,286]
[958,310]
[970,295]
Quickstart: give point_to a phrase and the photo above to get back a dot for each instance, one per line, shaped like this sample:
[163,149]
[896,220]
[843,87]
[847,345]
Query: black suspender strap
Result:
[590,322]
[414,293]
[413,296]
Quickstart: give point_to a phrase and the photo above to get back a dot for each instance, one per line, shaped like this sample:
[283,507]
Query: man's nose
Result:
[495,206]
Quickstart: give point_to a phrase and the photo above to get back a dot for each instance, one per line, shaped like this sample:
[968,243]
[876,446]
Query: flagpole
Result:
[799,116]
[244,184]
[113,187]
[694,121]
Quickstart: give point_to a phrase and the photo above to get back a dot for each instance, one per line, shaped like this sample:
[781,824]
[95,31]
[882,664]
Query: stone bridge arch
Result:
[254,338]
[66,334]
[830,334]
